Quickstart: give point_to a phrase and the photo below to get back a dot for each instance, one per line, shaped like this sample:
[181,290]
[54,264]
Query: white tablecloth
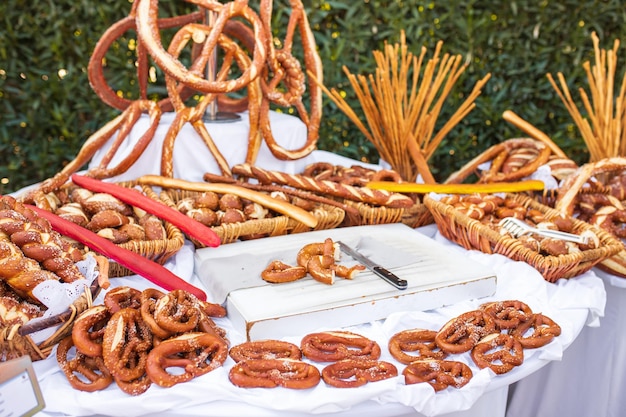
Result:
[590,379]
[572,303]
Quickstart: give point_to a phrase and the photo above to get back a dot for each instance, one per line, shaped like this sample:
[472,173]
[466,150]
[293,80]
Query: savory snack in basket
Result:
[331,346]
[439,374]
[351,373]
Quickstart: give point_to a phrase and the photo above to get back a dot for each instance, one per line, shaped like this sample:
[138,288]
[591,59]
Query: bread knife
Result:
[380,271]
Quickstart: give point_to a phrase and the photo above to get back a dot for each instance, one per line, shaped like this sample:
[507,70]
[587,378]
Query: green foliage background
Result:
[48,110]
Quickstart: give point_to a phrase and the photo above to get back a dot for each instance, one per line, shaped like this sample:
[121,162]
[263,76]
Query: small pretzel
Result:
[439,374]
[421,341]
[338,345]
[88,330]
[536,332]
[499,352]
[271,373]
[350,373]
[84,373]
[508,314]
[195,353]
[278,272]
[265,349]
[461,333]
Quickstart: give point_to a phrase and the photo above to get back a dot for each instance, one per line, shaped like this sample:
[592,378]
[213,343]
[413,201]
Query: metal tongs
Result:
[519,227]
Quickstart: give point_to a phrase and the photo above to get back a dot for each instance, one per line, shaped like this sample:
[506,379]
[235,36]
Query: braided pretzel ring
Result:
[439,374]
[265,349]
[88,330]
[499,352]
[421,341]
[147,18]
[196,353]
[271,373]
[127,341]
[461,333]
[544,329]
[338,345]
[350,373]
[84,373]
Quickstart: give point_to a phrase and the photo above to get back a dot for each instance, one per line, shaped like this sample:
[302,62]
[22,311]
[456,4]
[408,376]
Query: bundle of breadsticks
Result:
[604,129]
[402,102]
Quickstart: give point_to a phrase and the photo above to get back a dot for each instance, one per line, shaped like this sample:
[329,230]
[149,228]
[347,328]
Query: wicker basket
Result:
[594,179]
[414,216]
[16,340]
[472,234]
[328,217]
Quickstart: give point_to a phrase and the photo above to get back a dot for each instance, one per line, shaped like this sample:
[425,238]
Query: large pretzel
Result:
[286,70]
[147,30]
[200,34]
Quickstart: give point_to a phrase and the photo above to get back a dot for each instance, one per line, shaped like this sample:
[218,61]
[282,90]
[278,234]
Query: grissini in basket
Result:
[133,197]
[152,271]
[277,205]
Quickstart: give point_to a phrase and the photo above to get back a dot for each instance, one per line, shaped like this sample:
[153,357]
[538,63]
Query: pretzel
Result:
[88,330]
[461,333]
[337,345]
[278,272]
[271,373]
[148,33]
[83,372]
[265,349]
[127,341]
[196,353]
[177,312]
[536,332]
[351,373]
[421,341]
[122,297]
[285,69]
[440,374]
[508,314]
[499,352]
[331,188]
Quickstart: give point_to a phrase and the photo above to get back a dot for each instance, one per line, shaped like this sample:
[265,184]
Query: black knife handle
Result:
[390,277]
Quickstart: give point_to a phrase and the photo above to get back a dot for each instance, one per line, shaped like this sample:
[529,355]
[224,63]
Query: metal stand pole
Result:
[211,114]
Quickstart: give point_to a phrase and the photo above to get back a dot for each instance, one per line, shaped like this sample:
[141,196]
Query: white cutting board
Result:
[260,310]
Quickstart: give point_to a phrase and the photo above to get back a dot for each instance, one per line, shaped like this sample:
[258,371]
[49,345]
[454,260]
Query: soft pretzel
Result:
[271,373]
[440,374]
[337,345]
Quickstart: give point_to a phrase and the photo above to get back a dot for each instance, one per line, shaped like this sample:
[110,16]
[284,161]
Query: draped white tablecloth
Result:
[575,304]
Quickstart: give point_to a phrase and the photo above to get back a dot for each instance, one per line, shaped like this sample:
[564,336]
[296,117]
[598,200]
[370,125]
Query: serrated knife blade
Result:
[380,271]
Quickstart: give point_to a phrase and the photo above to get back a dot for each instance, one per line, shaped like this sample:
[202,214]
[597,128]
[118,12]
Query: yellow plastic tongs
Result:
[496,187]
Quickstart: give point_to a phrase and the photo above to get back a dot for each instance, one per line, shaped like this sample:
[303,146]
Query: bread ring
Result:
[195,353]
[271,373]
[461,333]
[84,373]
[386,175]
[88,330]
[350,373]
[333,346]
[536,332]
[278,272]
[508,314]
[265,349]
[439,374]
[421,341]
[499,352]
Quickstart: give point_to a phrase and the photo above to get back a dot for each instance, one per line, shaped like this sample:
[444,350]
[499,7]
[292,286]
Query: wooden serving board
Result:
[260,310]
